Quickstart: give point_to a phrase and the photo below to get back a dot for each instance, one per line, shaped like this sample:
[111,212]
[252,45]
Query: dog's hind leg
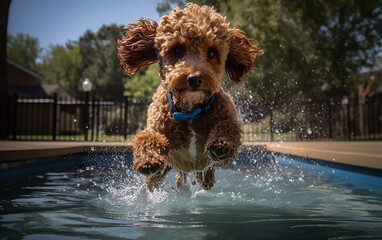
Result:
[180,179]
[206,178]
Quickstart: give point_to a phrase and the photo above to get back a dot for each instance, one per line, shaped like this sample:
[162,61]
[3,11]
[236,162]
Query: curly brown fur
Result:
[136,50]
[194,47]
[150,152]
[241,56]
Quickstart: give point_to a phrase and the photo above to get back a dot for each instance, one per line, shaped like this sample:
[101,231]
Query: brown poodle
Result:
[192,123]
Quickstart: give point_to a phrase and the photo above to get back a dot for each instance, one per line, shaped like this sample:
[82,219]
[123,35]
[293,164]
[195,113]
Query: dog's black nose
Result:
[194,80]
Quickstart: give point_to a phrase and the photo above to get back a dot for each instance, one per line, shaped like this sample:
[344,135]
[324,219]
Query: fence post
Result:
[54,117]
[348,121]
[330,119]
[98,119]
[7,107]
[85,121]
[93,110]
[355,118]
[92,126]
[125,117]
[15,120]
[271,122]
[378,135]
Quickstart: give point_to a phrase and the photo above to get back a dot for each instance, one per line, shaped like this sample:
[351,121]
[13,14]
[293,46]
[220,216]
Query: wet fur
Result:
[165,143]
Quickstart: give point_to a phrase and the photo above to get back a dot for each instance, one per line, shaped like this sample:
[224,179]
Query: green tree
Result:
[165,6]
[346,36]
[100,62]
[309,46]
[93,56]
[278,71]
[143,85]
[24,50]
[63,65]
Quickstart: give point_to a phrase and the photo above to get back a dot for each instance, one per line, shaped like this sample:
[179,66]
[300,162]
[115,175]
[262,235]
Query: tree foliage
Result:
[312,48]
[93,56]
[346,36]
[63,65]
[100,62]
[143,85]
[165,6]
[24,50]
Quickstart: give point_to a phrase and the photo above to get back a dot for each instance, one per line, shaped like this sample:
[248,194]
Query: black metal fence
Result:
[101,120]
[342,119]
[72,119]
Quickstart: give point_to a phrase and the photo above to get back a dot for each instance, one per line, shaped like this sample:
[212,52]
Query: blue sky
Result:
[57,21]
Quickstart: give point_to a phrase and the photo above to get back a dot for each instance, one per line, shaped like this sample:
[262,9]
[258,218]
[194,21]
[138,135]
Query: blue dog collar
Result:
[195,114]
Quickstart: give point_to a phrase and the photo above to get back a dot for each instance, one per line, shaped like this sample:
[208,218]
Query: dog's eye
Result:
[210,53]
[178,51]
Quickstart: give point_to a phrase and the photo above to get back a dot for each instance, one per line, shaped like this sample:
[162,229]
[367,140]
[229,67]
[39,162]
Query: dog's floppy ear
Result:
[241,56]
[136,49]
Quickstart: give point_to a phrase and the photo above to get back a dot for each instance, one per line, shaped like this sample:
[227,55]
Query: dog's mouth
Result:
[194,96]
[188,99]
[207,93]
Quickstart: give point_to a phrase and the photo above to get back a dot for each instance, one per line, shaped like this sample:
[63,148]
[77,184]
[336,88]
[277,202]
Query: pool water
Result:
[256,197]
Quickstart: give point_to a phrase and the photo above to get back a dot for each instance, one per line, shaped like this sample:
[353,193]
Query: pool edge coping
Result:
[43,149]
[313,150]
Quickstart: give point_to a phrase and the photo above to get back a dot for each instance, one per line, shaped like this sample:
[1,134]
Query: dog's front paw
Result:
[148,168]
[220,151]
[217,154]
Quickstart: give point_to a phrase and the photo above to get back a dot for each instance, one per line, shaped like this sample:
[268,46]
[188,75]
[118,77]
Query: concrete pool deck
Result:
[362,154]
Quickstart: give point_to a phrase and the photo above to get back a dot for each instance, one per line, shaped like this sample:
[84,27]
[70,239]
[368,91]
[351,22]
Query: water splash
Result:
[124,192]
[103,198]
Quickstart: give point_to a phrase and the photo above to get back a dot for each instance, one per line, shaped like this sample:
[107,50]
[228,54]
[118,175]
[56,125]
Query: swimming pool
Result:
[256,197]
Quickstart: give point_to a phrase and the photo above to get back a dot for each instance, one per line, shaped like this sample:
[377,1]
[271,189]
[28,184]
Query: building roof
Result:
[26,70]
[27,83]
[27,91]
[51,89]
